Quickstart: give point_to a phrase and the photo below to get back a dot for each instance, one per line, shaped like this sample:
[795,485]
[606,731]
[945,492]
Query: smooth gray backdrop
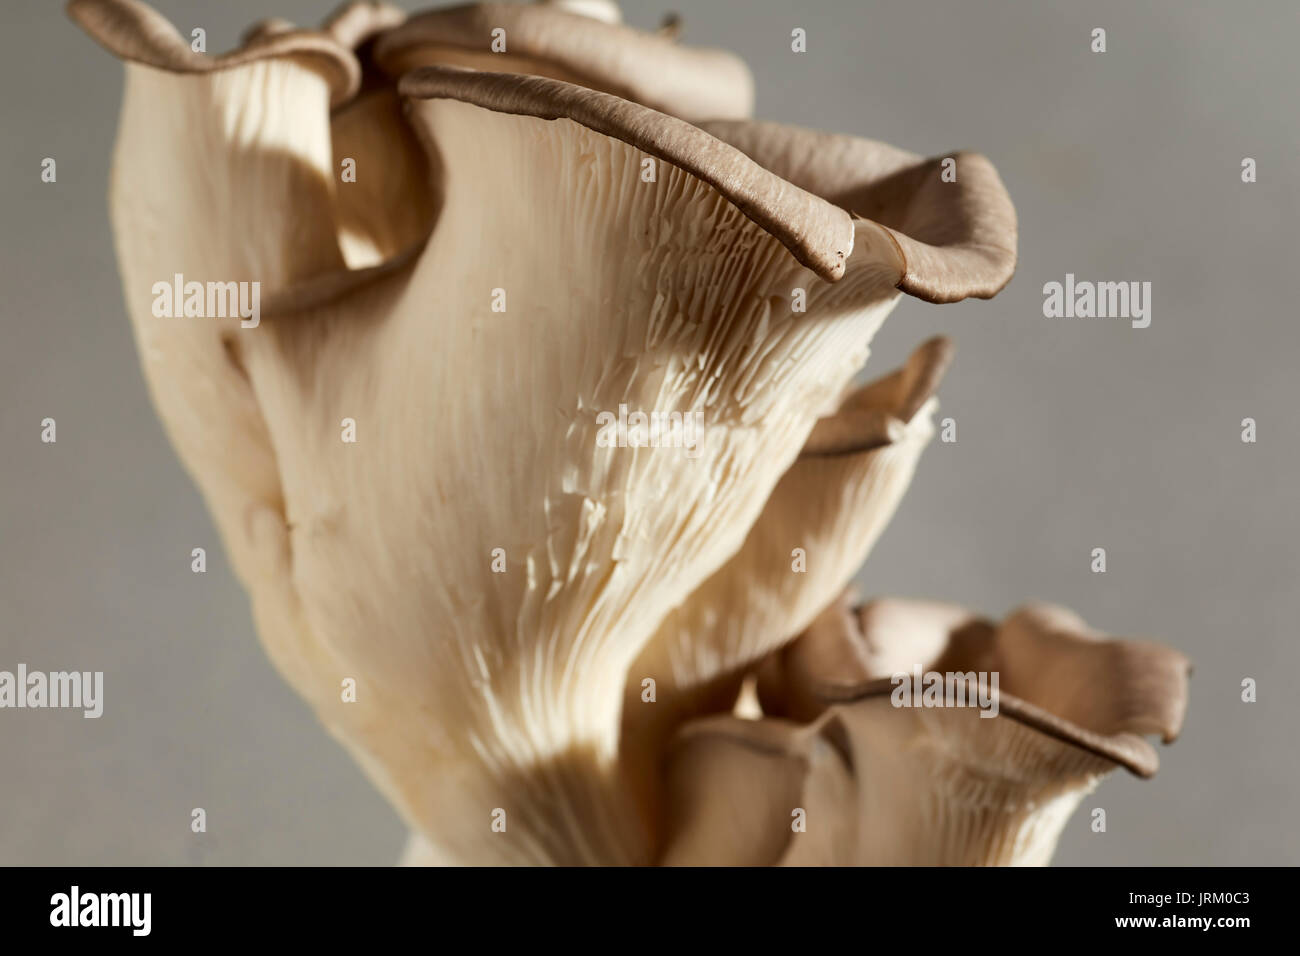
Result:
[1072,434]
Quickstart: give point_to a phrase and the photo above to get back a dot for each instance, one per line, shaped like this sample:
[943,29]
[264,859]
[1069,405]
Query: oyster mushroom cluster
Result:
[479,234]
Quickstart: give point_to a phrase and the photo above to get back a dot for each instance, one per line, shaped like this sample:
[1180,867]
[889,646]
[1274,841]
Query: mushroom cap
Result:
[136,33]
[550,40]
[880,782]
[956,239]
[944,784]
[1056,674]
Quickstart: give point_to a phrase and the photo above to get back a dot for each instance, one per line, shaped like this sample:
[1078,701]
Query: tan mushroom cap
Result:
[135,32]
[956,239]
[929,785]
[1057,675]
[549,40]
[797,184]
[872,785]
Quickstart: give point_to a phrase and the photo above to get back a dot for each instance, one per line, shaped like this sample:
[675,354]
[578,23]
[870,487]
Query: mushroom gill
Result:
[815,531]
[409,456]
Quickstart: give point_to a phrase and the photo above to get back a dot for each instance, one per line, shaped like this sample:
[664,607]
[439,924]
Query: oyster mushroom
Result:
[478,429]
[606,539]
[944,784]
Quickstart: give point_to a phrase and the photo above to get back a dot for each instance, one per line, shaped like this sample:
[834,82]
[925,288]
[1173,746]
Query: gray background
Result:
[1073,434]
